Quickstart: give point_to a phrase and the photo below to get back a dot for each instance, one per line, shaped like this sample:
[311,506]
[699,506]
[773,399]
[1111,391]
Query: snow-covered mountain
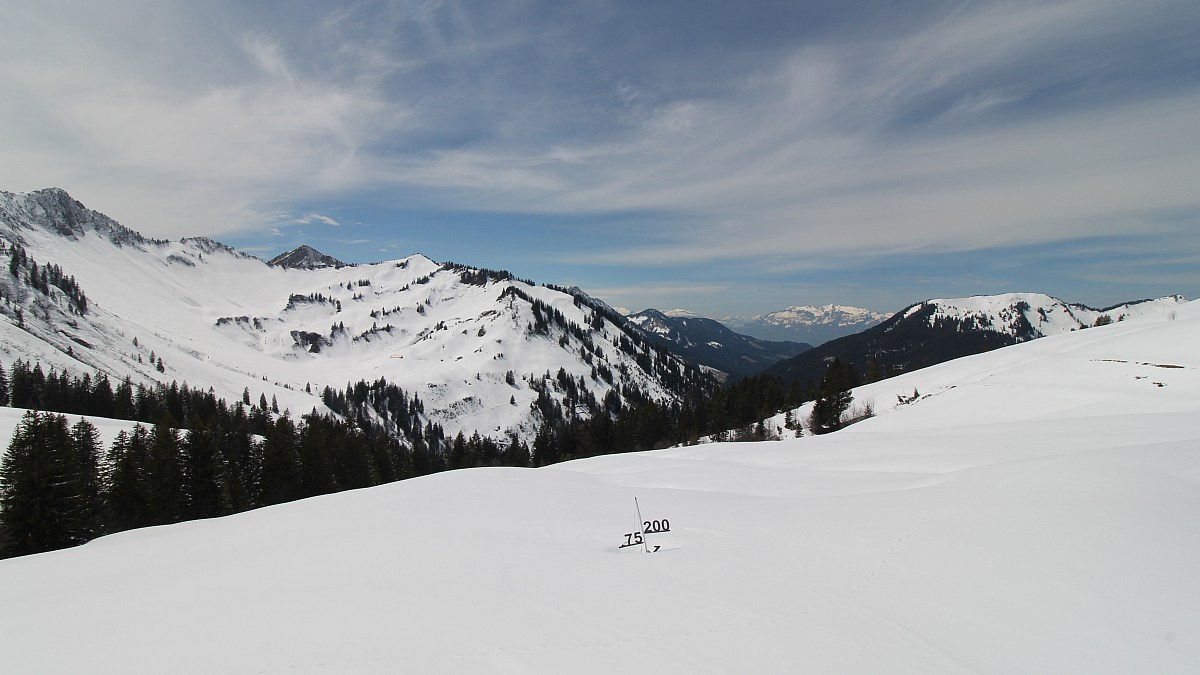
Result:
[305,257]
[709,343]
[1026,511]
[1026,316]
[938,330]
[806,323]
[481,349]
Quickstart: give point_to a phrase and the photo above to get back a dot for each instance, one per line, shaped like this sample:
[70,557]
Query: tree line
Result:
[192,455]
[731,413]
[200,457]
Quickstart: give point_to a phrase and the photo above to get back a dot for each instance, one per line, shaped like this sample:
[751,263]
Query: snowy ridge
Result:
[1079,358]
[808,323]
[66,216]
[217,318]
[1027,316]
[652,321]
[809,315]
[935,331]
[1028,511]
[682,314]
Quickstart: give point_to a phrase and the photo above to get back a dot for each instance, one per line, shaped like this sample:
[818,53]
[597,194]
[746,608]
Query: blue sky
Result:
[728,158]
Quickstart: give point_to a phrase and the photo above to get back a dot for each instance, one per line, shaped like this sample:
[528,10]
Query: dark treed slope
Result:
[709,343]
[935,331]
[902,343]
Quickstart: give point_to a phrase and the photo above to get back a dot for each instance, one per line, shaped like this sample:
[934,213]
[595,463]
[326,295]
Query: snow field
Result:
[988,528]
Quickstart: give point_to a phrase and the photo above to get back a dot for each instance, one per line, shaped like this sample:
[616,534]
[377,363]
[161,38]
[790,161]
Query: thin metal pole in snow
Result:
[641,525]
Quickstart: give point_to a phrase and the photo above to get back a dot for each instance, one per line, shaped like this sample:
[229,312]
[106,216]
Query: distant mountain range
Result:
[484,351]
[806,323]
[939,330]
[711,344]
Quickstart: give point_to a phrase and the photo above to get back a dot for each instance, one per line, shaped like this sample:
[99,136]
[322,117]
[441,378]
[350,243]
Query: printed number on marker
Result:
[656,526]
[650,527]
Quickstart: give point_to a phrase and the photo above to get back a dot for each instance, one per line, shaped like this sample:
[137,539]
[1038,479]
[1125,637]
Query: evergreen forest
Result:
[191,455]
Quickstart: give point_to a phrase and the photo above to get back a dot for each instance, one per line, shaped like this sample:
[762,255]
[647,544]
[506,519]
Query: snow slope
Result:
[1034,315]
[1033,510]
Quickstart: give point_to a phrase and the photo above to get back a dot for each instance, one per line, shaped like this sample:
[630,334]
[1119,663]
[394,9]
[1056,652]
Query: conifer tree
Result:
[281,478]
[127,498]
[545,446]
[316,457]
[244,459]
[516,454]
[43,501]
[457,459]
[164,475]
[349,451]
[205,474]
[102,397]
[23,390]
[833,397]
[85,447]
[385,456]
[123,404]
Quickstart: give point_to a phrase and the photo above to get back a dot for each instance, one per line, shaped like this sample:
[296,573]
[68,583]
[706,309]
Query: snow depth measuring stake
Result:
[645,527]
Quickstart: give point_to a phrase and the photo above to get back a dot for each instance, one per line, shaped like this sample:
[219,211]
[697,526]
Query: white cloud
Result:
[818,157]
[191,118]
[210,147]
[316,217]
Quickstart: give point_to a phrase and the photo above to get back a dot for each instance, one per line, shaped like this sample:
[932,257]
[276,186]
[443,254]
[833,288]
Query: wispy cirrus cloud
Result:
[189,125]
[317,218]
[903,143]
[791,137]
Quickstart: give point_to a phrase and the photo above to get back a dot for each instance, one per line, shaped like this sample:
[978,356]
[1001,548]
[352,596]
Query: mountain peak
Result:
[54,210]
[305,257]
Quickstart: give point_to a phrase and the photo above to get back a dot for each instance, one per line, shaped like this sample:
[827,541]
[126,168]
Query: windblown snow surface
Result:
[1036,509]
